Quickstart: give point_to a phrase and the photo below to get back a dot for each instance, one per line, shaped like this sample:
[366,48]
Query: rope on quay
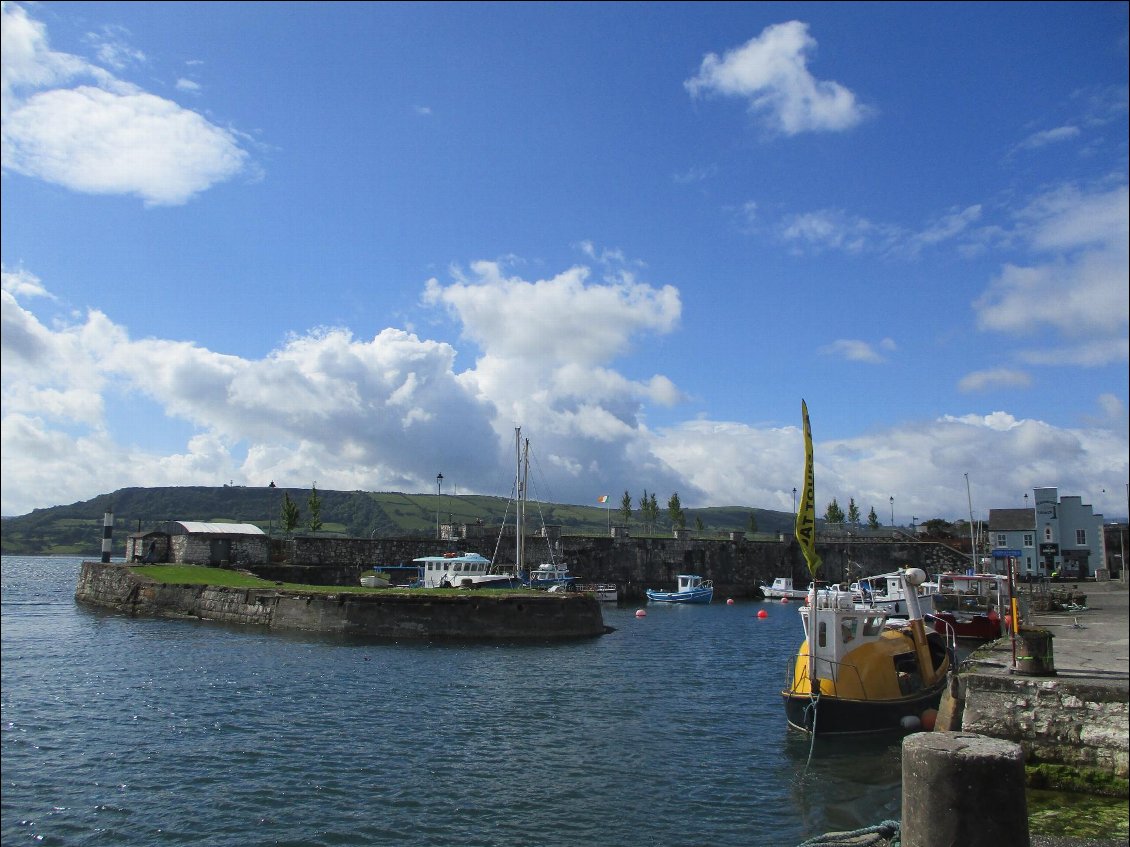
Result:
[885,834]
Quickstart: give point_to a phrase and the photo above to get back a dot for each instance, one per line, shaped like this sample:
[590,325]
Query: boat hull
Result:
[839,716]
[971,627]
[702,596]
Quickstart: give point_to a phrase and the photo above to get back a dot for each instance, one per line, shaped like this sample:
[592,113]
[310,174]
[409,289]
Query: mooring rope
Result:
[814,703]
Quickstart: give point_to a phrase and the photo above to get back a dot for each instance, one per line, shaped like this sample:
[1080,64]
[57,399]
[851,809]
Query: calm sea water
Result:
[668,731]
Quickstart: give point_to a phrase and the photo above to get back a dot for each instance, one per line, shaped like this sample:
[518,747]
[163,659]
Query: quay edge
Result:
[1073,723]
[471,616]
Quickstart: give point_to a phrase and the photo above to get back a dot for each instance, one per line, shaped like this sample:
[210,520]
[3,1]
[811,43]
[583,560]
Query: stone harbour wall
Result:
[737,567]
[467,616]
[1067,722]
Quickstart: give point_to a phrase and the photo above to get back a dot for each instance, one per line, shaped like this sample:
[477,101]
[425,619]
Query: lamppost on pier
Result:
[439,493]
[794,503]
[892,511]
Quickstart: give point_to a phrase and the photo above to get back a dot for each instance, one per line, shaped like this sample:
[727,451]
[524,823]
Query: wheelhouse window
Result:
[872,626]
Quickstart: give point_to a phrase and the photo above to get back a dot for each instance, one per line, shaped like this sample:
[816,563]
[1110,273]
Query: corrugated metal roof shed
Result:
[203,528]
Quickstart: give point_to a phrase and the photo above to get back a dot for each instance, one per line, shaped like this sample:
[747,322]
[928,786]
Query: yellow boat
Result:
[858,671]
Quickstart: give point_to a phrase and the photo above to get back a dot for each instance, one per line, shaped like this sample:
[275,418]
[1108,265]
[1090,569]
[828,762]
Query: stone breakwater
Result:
[473,615]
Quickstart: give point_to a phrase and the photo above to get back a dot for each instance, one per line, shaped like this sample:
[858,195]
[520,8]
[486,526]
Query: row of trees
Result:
[833,514]
[649,512]
[291,518]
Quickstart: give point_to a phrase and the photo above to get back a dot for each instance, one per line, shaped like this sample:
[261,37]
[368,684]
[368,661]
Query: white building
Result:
[1059,537]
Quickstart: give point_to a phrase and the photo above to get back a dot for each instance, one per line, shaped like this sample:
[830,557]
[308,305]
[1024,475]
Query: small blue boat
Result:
[692,589]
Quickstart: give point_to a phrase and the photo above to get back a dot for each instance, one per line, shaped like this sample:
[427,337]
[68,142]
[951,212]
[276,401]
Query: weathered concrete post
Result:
[962,788]
[107,534]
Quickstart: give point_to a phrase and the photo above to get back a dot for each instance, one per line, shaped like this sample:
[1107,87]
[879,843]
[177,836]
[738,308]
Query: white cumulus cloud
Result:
[771,72]
[102,135]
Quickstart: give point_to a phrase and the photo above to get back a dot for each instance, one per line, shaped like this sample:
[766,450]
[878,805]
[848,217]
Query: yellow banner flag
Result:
[806,513]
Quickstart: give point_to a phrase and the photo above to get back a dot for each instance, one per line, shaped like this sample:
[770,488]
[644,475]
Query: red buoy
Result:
[784,599]
[640,613]
[929,718]
[763,614]
[730,602]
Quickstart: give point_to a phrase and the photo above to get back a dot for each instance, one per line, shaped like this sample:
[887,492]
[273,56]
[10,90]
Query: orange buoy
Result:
[640,613]
[763,614]
[929,718]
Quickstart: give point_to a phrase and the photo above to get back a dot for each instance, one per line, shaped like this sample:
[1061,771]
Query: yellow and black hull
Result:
[872,689]
[830,715]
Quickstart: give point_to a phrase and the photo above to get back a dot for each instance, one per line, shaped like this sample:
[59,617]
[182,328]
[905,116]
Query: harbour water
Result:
[668,731]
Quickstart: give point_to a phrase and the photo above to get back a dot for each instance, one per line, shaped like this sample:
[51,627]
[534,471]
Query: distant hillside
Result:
[76,530]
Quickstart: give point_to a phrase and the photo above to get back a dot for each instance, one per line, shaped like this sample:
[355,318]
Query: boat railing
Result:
[838,669]
[948,633]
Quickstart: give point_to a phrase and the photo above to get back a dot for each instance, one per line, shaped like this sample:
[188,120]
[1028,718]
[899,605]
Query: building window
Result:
[1081,537]
[1029,540]
[1001,540]
[1047,533]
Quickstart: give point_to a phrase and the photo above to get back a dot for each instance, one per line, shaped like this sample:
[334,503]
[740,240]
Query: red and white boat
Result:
[969,605]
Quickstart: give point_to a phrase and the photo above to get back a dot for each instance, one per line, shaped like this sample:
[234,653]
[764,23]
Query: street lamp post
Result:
[794,502]
[892,511]
[439,493]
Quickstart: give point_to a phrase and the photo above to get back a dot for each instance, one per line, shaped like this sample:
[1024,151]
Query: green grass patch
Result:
[199,575]
[1074,815]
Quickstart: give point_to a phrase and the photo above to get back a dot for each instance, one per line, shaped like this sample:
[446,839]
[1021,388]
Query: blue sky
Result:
[358,244]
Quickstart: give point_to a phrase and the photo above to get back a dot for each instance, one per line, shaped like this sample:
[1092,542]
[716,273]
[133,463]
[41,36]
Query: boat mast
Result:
[972,537]
[520,513]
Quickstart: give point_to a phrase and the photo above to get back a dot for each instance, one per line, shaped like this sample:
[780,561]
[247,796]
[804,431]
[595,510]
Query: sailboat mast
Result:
[972,537]
[520,512]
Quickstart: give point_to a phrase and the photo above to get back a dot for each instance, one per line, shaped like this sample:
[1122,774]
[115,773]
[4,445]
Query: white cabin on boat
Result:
[451,569]
[835,627]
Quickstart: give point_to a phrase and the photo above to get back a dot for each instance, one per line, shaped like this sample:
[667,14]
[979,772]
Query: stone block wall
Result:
[738,566]
[1055,720]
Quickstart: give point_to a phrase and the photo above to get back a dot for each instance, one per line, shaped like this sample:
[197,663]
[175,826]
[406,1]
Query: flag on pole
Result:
[603,498]
[806,514]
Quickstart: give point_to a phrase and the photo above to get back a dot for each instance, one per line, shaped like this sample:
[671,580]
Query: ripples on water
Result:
[668,731]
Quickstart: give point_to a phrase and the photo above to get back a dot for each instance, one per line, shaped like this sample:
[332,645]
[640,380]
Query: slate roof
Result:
[1005,520]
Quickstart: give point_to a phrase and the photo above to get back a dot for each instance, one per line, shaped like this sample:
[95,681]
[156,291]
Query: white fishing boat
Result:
[782,589]
[606,592]
[691,588]
[550,575]
[855,672]
[462,570]
[887,593]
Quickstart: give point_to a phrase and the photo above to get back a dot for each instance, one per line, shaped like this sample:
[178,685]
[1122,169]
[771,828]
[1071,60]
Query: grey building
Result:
[200,543]
[1061,536]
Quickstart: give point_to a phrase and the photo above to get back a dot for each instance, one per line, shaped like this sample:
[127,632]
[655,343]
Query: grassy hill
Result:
[76,529]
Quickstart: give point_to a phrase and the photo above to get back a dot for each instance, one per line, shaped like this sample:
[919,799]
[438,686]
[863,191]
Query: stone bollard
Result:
[962,788]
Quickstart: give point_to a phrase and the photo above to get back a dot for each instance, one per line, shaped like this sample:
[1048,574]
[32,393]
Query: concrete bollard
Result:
[962,788]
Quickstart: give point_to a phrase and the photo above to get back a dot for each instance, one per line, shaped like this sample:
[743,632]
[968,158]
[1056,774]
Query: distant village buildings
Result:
[1058,537]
